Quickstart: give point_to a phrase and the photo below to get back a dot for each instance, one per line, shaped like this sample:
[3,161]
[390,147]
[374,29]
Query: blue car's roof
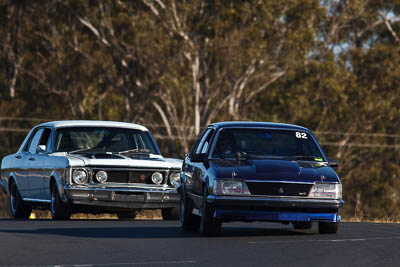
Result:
[245,124]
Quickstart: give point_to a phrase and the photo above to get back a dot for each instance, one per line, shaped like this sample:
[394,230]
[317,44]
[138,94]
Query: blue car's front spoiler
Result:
[275,216]
[277,209]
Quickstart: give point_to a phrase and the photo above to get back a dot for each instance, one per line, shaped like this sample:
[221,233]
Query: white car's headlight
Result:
[231,187]
[326,190]
[101,176]
[157,178]
[80,176]
[175,179]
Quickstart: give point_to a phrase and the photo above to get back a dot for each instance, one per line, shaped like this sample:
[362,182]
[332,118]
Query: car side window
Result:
[205,140]
[34,142]
[196,143]
[45,139]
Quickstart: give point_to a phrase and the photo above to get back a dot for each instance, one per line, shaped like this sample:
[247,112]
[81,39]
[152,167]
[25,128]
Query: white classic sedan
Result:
[90,167]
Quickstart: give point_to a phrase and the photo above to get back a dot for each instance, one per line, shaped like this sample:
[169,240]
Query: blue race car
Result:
[258,171]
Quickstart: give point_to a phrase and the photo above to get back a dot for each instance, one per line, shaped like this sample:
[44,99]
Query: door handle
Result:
[31,159]
[18,157]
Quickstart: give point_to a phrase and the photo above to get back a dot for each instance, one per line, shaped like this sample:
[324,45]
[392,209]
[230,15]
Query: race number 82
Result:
[301,135]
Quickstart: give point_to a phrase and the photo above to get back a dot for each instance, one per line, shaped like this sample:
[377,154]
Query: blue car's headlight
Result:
[230,187]
[326,190]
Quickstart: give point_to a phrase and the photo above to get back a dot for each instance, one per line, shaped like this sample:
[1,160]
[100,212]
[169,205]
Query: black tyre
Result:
[125,216]
[58,209]
[19,209]
[328,227]
[189,221]
[302,225]
[171,214]
[208,225]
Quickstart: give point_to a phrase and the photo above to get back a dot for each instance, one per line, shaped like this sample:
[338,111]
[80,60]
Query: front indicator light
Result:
[326,190]
[231,187]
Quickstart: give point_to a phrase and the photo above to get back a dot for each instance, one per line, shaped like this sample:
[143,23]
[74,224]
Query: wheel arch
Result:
[11,179]
[55,179]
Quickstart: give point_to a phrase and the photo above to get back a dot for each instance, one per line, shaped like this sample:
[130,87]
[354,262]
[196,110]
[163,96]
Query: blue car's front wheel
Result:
[189,221]
[208,225]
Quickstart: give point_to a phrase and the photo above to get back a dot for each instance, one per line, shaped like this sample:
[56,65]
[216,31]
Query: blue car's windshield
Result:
[103,139]
[266,143]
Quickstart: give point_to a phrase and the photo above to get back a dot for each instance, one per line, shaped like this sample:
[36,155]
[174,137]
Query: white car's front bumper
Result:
[132,197]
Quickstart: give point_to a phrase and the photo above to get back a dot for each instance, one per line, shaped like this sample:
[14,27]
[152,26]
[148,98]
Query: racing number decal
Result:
[301,135]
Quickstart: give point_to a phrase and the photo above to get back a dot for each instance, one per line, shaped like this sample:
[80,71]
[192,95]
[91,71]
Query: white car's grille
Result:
[130,176]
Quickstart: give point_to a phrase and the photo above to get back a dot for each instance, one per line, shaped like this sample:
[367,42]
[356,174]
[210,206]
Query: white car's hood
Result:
[154,161]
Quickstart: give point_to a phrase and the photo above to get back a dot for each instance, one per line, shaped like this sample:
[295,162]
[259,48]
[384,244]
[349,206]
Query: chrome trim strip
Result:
[125,169]
[37,200]
[126,185]
[194,195]
[133,189]
[32,169]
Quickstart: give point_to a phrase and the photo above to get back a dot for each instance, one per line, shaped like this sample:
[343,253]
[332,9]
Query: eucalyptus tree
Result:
[224,55]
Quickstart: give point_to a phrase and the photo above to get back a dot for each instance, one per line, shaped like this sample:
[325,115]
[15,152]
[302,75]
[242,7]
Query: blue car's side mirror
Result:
[334,163]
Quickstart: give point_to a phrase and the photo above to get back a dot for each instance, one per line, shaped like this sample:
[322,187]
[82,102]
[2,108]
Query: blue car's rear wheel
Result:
[328,227]
[208,225]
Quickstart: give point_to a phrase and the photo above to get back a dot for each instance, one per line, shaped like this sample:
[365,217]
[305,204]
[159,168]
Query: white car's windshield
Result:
[298,145]
[103,139]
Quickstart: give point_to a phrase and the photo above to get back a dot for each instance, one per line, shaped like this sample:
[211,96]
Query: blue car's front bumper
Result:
[276,209]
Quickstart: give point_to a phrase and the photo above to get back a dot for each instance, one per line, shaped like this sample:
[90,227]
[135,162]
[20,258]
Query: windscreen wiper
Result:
[136,150]
[80,150]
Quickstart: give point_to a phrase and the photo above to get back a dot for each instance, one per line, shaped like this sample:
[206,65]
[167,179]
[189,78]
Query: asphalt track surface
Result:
[160,243]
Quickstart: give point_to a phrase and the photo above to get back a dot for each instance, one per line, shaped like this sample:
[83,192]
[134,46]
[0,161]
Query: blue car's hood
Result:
[274,170]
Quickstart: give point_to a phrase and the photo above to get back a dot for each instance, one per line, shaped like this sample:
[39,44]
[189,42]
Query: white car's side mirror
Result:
[41,149]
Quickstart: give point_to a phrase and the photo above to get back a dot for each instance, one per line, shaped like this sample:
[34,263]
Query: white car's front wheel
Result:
[170,214]
[58,209]
[126,216]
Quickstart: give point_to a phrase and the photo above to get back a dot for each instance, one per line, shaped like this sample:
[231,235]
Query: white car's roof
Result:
[92,123]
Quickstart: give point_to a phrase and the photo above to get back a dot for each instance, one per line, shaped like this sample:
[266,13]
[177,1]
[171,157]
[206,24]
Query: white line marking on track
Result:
[327,240]
[110,264]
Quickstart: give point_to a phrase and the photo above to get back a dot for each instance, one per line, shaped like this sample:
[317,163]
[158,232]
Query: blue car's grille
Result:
[279,189]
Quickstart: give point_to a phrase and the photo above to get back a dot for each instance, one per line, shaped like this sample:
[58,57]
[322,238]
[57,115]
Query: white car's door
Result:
[36,160]
[20,166]
[33,163]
